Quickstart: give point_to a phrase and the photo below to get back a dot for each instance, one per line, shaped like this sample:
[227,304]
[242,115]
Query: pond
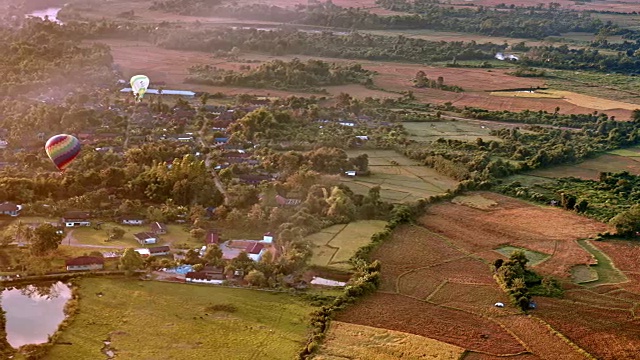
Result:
[52,13]
[33,312]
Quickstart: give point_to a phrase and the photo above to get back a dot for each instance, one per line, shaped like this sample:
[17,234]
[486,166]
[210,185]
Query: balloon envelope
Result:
[139,84]
[62,149]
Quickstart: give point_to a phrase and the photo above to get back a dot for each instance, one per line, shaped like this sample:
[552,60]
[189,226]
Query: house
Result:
[232,248]
[282,201]
[132,220]
[76,218]
[350,173]
[83,263]
[145,253]
[145,238]
[255,251]
[214,272]
[158,228]
[220,141]
[159,251]
[9,208]
[267,238]
[212,237]
[201,278]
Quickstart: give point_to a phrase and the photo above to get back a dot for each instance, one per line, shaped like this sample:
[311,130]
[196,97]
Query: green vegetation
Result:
[533,257]
[140,317]
[606,271]
[277,74]
[334,246]
[520,283]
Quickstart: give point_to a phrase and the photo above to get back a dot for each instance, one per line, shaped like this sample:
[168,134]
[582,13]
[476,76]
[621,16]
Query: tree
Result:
[213,255]
[116,233]
[130,261]
[256,278]
[627,223]
[421,79]
[45,239]
[440,82]
[341,206]
[198,234]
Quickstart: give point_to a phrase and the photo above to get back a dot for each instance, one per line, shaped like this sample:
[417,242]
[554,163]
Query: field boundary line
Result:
[564,338]
[423,180]
[594,306]
[334,247]
[442,284]
[423,268]
[604,294]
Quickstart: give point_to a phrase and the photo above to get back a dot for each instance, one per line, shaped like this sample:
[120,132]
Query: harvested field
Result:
[624,253]
[479,356]
[571,97]
[406,181]
[418,317]
[475,201]
[350,341]
[540,339]
[477,231]
[591,327]
[591,298]
[478,299]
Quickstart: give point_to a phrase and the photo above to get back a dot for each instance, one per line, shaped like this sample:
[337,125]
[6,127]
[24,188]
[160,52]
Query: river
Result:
[51,12]
[33,313]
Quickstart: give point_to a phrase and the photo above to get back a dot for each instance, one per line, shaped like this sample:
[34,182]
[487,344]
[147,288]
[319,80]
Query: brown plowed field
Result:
[605,333]
[519,224]
[401,313]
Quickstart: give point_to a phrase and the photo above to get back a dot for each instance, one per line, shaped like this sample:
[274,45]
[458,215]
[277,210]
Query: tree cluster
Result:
[278,74]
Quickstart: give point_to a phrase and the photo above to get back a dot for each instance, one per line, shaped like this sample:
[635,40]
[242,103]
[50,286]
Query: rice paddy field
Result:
[400,179]
[335,245]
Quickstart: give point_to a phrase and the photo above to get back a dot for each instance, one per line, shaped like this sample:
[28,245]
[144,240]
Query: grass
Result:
[534,257]
[154,320]
[400,179]
[607,272]
[351,341]
[451,129]
[90,236]
[334,246]
[475,201]
[583,274]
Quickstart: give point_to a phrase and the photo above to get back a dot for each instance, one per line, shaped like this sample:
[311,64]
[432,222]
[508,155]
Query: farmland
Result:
[334,246]
[170,66]
[400,179]
[345,340]
[437,275]
[139,318]
[593,102]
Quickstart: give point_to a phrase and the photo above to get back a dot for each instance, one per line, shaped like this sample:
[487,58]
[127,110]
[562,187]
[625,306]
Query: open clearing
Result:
[590,169]
[592,102]
[400,179]
[335,245]
[153,320]
[453,129]
[437,276]
[351,341]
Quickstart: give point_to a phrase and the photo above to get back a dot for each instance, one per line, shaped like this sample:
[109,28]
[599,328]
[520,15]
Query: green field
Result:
[153,320]
[90,236]
[451,129]
[406,181]
[534,257]
[474,201]
[334,246]
[607,273]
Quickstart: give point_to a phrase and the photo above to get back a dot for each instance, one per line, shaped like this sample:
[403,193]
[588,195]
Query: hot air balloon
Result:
[62,149]
[139,85]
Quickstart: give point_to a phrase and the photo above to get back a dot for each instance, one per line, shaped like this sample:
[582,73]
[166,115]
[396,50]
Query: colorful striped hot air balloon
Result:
[139,85]
[62,149]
